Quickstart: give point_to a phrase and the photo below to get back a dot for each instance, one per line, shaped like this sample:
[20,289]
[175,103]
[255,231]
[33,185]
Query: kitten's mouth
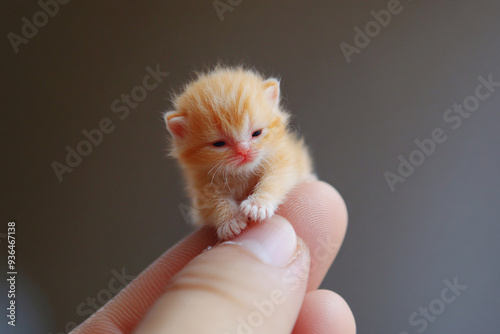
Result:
[244,160]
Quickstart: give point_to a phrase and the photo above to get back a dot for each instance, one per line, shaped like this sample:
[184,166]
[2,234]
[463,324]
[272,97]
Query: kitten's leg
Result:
[230,229]
[223,214]
[268,194]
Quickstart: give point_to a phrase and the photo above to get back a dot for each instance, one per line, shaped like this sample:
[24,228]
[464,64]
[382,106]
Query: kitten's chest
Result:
[240,187]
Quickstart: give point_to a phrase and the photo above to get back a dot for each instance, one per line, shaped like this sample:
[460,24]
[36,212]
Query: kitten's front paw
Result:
[231,228]
[257,211]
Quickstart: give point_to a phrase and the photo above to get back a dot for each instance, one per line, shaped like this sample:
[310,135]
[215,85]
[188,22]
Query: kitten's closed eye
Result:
[219,144]
[256,133]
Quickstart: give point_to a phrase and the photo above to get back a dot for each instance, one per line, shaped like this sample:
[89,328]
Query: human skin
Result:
[189,290]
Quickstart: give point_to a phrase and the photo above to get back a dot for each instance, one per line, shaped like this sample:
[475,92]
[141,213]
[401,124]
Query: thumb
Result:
[252,284]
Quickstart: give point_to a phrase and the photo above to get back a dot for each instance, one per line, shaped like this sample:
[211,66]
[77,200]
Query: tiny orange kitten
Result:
[233,143]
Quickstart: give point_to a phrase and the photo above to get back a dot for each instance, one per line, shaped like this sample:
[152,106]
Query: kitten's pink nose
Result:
[242,148]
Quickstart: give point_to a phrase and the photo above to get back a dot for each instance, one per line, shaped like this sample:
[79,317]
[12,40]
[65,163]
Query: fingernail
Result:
[273,241]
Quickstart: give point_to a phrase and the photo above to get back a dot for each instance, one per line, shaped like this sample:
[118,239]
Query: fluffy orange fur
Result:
[232,140]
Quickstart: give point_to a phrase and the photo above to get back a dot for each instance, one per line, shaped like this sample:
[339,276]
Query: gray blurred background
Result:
[118,210]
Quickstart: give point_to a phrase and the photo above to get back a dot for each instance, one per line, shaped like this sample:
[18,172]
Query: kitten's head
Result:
[227,120]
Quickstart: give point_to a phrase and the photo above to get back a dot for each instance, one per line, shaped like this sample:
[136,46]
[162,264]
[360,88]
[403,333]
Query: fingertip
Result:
[319,216]
[337,203]
[273,242]
[325,312]
[323,205]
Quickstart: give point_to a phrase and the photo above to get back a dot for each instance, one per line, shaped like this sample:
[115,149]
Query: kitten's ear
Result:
[272,91]
[176,124]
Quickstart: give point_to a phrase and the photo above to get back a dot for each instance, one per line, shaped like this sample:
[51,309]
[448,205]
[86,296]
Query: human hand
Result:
[265,281]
